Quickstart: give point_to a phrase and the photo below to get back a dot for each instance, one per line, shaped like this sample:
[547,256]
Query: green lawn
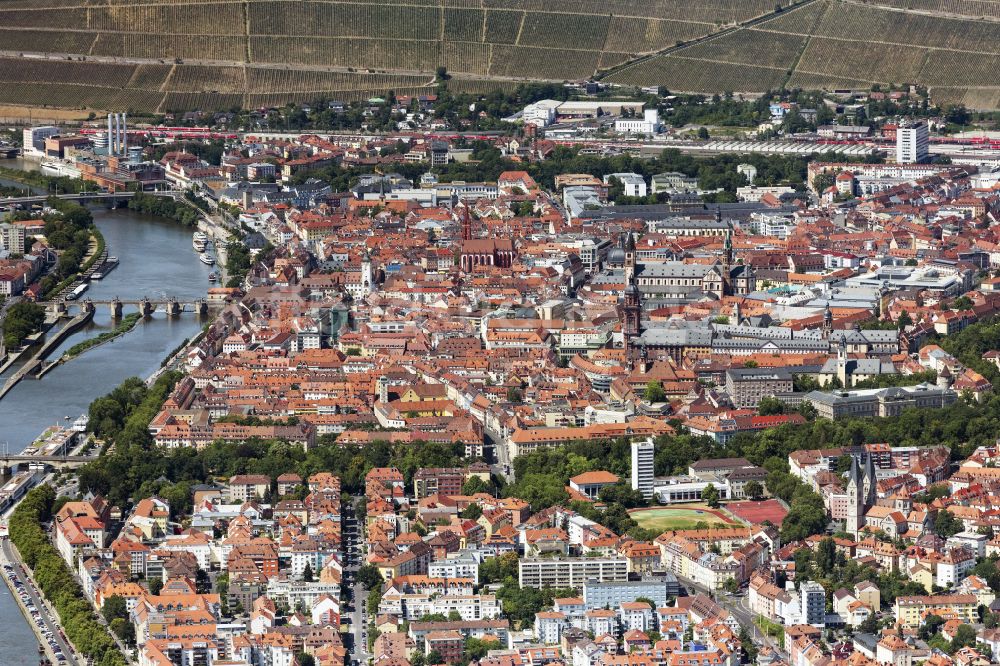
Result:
[682,517]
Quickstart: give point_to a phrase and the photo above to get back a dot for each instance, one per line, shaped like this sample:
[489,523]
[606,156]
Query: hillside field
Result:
[167,55]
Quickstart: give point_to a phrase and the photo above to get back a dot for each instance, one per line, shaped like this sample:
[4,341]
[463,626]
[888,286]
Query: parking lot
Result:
[46,626]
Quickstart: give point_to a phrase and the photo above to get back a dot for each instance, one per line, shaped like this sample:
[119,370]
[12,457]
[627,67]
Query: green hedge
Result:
[55,580]
[127,323]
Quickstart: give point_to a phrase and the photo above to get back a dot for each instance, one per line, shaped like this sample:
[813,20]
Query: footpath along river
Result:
[156,260]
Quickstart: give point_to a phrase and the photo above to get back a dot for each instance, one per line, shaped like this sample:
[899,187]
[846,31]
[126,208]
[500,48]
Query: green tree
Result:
[23,319]
[965,636]
[307,573]
[114,607]
[124,629]
[770,405]
[369,577]
[904,320]
[962,303]
[472,511]
[476,649]
[498,569]
[654,392]
[475,485]
[710,495]
[826,555]
[754,490]
[946,524]
[869,625]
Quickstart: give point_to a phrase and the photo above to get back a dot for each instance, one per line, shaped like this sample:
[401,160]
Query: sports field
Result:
[681,517]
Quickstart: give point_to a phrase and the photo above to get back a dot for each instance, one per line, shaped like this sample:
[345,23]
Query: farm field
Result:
[681,517]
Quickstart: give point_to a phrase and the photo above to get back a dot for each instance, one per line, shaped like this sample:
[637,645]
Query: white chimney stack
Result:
[124,138]
[111,137]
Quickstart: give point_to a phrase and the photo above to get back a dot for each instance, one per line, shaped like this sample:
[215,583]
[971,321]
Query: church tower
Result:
[842,362]
[466,224]
[628,247]
[727,257]
[855,499]
[366,274]
[827,322]
[631,301]
[868,484]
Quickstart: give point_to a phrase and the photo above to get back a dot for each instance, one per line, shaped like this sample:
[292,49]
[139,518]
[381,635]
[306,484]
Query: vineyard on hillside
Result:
[214,54]
[840,45]
[229,50]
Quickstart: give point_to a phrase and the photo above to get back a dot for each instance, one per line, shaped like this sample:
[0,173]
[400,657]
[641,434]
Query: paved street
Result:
[44,616]
[352,560]
[740,610]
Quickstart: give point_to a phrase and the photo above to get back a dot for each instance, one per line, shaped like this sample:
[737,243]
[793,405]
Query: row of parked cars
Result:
[36,615]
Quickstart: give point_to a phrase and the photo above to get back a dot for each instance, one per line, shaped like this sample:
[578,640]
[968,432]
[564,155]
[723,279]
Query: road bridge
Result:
[9,462]
[84,197]
[146,306]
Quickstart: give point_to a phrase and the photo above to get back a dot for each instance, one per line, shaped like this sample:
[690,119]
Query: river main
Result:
[156,260]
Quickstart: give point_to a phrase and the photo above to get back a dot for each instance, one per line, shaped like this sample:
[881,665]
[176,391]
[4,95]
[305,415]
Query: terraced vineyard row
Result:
[691,75]
[832,44]
[973,8]
[824,43]
[195,78]
[262,81]
[867,62]
[974,98]
[149,77]
[361,53]
[712,11]
[64,95]
[859,24]
[627,35]
[183,101]
[953,69]
[545,63]
[809,81]
[65,71]
[315,18]
[148,88]
[169,47]
[750,46]
[40,41]
[371,34]
[216,18]
[480,87]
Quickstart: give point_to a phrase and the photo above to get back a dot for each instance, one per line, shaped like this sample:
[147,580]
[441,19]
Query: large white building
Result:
[34,139]
[562,572]
[648,124]
[642,466]
[542,113]
[634,184]
[812,601]
[912,143]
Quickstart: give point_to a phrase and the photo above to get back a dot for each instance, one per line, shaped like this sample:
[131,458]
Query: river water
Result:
[156,260]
